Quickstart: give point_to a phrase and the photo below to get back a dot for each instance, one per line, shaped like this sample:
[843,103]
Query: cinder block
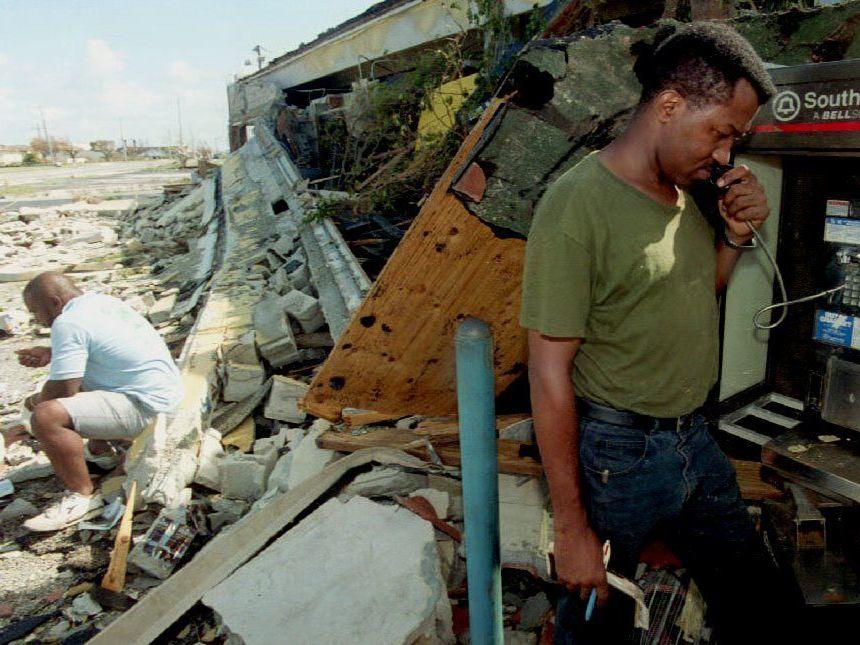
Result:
[305,309]
[283,400]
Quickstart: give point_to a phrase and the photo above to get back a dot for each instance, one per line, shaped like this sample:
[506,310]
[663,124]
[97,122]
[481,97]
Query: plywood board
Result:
[397,355]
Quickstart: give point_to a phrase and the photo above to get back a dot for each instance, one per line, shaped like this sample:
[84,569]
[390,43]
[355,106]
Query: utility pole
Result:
[179,113]
[122,140]
[47,138]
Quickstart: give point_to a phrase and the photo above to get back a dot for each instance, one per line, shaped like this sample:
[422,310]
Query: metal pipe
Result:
[477,416]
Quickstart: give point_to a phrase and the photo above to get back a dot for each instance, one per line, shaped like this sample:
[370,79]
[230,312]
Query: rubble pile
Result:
[75,237]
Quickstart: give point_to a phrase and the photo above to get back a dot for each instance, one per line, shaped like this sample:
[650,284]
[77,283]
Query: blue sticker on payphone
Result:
[837,329]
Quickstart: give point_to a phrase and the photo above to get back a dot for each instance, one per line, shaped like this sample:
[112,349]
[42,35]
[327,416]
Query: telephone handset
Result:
[717,171]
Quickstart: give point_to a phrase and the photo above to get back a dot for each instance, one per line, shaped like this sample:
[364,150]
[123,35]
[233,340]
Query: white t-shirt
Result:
[114,348]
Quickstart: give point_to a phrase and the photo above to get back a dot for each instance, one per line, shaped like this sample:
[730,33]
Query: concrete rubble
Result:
[334,558]
[17,509]
[284,397]
[525,522]
[384,481]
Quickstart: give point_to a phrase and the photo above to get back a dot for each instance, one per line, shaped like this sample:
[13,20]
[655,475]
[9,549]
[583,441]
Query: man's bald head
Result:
[47,294]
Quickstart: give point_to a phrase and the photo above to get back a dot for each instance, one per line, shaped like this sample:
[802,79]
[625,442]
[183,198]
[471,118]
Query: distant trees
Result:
[40,146]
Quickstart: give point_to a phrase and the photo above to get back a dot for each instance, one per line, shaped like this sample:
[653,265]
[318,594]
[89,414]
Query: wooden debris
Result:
[515,457]
[424,509]
[242,437]
[750,481]
[114,579]
[397,355]
[355,418]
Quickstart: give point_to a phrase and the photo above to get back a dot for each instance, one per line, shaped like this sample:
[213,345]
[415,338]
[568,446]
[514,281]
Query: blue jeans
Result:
[679,486]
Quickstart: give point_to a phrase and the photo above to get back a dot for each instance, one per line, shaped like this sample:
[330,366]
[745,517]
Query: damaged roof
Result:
[375,11]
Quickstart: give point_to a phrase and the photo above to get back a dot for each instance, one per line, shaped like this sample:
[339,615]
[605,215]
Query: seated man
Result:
[111,373]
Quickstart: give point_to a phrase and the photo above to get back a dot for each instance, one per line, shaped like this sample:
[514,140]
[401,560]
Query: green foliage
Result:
[327,207]
[376,155]
[30,158]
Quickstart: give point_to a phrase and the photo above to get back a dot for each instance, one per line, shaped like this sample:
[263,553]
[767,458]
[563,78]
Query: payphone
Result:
[782,389]
[790,394]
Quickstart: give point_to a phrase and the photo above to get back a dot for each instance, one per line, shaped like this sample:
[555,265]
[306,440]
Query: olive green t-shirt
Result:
[635,279]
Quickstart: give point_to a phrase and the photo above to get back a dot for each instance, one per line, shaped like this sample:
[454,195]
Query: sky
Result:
[96,67]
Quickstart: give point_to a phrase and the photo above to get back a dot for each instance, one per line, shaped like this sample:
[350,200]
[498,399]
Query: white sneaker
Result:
[71,508]
[107,461]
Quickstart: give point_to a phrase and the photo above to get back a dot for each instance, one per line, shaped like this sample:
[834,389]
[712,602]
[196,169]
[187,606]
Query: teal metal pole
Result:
[477,411]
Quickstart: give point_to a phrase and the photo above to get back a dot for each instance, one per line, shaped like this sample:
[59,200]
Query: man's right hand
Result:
[34,356]
[579,563]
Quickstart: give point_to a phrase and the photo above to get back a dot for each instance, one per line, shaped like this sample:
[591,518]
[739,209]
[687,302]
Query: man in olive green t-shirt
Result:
[620,290]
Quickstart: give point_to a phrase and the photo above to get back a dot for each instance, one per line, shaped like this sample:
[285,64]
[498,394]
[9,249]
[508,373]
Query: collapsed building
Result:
[305,343]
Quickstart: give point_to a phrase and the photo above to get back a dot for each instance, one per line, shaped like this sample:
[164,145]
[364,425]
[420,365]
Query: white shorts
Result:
[106,415]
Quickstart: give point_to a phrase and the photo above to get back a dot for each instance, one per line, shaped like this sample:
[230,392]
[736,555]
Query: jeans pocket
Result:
[608,454]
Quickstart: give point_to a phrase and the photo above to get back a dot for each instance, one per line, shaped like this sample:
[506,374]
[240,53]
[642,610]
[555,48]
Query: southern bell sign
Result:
[817,107]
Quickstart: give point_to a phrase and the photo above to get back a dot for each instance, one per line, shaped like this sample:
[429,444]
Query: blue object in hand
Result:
[589,608]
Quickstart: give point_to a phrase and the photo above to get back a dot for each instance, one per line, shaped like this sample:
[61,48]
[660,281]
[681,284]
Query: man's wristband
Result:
[750,244]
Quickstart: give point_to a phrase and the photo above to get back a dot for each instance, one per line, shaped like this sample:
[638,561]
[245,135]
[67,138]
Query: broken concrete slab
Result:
[454,488]
[326,567]
[524,521]
[244,476]
[280,282]
[516,637]
[211,453]
[273,332]
[242,380]
[384,481]
[156,611]
[307,458]
[279,477]
[283,403]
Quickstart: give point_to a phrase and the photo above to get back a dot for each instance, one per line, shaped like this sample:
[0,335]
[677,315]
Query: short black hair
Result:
[702,62]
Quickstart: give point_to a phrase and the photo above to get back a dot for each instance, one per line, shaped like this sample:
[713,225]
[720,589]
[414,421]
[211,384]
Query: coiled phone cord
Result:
[786,302]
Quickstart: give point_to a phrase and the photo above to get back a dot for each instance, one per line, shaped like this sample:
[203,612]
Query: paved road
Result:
[25,175]
[23,186]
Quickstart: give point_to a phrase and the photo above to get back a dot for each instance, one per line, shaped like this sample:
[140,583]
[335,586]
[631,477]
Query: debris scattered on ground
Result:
[164,544]
[18,508]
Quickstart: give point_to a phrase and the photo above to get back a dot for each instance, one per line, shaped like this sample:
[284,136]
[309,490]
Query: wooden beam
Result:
[753,488]
[514,457]
[229,550]
[356,418]
[397,355]
[114,579]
